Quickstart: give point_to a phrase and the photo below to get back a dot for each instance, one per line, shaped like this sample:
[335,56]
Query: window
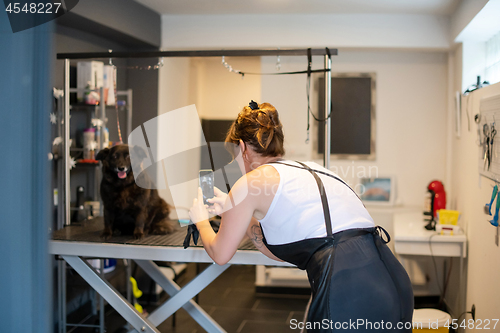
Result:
[492,71]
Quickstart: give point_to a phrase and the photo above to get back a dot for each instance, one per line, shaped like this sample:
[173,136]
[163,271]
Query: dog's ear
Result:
[103,153]
[139,152]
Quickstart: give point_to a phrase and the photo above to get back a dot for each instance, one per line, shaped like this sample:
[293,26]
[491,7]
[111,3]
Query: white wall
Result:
[470,194]
[479,22]
[174,83]
[415,91]
[464,14]
[472,191]
[411,108]
[482,21]
[221,94]
[174,92]
[285,31]
[411,114]
[216,93]
[411,94]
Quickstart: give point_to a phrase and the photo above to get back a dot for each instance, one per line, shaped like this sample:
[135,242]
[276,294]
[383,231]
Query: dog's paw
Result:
[163,229]
[138,233]
[107,233]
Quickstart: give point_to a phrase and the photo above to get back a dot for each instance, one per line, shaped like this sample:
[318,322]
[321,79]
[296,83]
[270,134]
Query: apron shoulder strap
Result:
[322,192]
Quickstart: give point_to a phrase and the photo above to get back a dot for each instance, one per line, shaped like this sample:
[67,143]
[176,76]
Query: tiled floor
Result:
[232,302]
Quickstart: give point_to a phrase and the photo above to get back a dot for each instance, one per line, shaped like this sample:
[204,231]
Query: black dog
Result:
[128,208]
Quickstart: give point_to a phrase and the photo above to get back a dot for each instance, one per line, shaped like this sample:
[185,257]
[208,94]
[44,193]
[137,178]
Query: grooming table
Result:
[75,242]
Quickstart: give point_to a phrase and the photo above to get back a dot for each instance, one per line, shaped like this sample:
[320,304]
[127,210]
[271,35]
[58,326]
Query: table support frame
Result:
[183,297]
[179,297]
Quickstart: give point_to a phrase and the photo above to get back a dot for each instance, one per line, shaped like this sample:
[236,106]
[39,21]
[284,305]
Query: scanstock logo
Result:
[168,151]
[28,14]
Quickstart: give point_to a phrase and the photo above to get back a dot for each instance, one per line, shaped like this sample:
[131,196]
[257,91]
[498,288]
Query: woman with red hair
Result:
[304,214]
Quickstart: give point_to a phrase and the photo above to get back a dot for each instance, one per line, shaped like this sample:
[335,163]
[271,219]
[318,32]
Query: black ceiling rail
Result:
[198,53]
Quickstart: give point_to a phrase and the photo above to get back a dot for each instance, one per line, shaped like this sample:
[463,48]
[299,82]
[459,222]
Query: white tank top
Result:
[296,212]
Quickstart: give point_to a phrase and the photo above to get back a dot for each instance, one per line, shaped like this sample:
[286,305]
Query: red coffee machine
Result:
[435,200]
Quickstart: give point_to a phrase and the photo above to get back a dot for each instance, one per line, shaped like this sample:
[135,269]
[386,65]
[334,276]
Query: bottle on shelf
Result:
[89,138]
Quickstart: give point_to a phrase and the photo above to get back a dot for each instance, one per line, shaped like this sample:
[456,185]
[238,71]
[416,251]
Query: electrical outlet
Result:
[473,312]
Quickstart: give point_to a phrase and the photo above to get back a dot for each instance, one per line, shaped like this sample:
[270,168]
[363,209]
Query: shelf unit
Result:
[69,150]
[92,173]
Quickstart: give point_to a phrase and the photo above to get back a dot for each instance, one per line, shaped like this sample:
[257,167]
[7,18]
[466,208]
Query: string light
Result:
[229,67]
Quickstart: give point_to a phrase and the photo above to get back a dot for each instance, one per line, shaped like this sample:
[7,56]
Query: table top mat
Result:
[90,231]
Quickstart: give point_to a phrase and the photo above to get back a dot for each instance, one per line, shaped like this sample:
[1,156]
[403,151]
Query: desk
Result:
[411,238]
[75,242]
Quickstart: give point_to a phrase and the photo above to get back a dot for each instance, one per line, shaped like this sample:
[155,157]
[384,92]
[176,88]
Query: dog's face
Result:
[116,160]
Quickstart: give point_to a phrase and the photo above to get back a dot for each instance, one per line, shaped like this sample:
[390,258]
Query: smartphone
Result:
[207,184]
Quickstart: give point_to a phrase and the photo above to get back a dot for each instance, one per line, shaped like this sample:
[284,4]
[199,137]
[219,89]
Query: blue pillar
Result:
[25,193]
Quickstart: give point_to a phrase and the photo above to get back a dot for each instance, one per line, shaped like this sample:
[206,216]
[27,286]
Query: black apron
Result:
[356,282]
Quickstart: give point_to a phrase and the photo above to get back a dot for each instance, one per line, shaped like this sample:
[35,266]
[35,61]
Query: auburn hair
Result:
[260,128]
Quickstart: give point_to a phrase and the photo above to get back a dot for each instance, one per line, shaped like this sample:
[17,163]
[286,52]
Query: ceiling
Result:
[225,7]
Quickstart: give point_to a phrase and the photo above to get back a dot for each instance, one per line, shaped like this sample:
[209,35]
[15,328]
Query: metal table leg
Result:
[171,288]
[462,294]
[62,295]
[111,295]
[101,299]
[128,263]
[186,293]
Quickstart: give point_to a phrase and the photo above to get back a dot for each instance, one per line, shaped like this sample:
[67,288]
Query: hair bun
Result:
[259,126]
[266,120]
[265,133]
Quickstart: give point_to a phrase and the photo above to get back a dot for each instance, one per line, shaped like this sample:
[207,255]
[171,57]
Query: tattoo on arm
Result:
[257,237]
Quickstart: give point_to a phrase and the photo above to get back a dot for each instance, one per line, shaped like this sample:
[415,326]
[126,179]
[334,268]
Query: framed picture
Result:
[378,191]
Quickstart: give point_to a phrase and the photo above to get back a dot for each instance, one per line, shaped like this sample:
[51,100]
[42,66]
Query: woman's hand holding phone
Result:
[198,211]
[217,202]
